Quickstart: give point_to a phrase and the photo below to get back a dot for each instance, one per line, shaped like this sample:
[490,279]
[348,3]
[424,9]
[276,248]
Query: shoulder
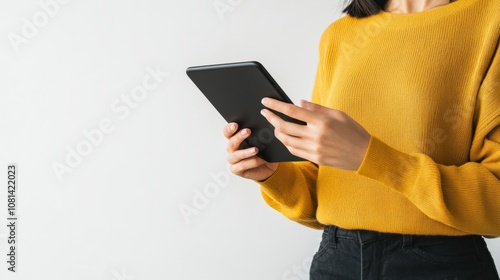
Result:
[336,31]
[347,28]
[338,27]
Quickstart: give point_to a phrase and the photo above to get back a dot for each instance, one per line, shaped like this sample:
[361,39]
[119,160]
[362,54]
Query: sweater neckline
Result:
[424,17]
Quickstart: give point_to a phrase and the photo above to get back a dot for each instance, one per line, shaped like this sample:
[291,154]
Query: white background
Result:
[116,214]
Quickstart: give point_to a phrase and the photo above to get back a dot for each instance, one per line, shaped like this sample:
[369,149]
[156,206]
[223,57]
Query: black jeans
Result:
[361,254]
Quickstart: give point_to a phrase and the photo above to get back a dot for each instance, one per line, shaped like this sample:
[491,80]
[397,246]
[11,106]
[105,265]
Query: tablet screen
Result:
[236,91]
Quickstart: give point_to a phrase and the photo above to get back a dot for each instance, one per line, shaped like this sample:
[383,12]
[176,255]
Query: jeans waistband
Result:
[365,236]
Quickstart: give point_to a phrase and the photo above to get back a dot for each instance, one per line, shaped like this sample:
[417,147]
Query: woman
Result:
[402,142]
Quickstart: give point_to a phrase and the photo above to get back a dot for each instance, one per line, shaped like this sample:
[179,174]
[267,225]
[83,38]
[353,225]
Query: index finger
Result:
[289,109]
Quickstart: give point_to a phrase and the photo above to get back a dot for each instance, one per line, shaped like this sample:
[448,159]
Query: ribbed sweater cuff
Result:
[389,166]
[283,177]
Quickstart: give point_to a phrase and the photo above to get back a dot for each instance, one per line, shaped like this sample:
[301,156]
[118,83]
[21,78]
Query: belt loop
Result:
[332,235]
[360,238]
[407,241]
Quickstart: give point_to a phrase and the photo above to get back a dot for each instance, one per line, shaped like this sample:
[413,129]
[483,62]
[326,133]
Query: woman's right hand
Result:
[245,163]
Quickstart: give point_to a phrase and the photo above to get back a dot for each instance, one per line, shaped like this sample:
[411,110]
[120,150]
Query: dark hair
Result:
[364,8]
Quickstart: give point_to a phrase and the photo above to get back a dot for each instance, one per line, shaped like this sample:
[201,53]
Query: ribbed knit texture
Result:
[426,86]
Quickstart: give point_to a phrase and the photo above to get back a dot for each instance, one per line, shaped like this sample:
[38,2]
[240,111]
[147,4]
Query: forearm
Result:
[465,197]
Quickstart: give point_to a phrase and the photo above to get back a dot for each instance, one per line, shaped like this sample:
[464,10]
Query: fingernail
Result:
[265,101]
[244,132]
[252,151]
[263,112]
[232,127]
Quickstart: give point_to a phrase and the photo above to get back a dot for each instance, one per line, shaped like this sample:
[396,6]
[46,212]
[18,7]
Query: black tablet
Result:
[236,91]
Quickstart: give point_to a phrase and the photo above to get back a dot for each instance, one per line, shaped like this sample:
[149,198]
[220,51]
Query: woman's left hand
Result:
[330,138]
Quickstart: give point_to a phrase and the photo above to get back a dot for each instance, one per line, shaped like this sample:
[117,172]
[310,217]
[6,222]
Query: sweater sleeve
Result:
[291,190]
[465,197]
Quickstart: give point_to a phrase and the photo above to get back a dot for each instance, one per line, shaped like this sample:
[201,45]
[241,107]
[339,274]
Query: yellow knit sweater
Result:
[426,86]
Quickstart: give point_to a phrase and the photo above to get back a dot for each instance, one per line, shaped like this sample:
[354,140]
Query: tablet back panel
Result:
[236,91]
